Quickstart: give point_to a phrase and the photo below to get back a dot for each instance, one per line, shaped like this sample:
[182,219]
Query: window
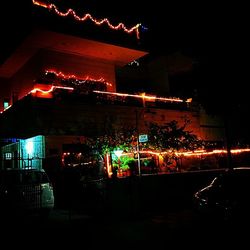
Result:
[8,156]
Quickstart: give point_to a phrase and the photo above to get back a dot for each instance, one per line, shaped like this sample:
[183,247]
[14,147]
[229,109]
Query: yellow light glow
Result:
[194,153]
[52,88]
[141,96]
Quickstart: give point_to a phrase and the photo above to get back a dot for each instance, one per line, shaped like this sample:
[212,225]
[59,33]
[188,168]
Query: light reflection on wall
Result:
[32,151]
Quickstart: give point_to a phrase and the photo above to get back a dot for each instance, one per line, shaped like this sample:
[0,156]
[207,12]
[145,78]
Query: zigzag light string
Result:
[88,16]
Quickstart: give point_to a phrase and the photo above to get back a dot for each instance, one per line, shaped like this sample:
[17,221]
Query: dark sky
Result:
[198,29]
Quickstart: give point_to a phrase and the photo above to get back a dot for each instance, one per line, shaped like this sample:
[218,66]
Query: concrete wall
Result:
[83,119]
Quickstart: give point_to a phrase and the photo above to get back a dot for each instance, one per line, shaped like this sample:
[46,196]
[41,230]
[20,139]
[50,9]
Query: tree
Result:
[171,138]
[124,138]
[174,140]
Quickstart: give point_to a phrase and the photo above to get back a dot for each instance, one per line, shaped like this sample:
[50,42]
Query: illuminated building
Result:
[63,85]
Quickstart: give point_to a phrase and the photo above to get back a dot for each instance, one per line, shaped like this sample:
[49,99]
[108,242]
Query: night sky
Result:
[214,35]
[199,30]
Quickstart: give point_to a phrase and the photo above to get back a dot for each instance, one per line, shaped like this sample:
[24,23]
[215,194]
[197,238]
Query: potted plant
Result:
[127,165]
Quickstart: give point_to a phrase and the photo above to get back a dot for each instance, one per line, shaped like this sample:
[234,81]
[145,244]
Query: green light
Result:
[5,105]
[32,151]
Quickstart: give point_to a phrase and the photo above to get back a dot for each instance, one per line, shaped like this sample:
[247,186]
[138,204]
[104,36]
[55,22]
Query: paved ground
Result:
[70,228]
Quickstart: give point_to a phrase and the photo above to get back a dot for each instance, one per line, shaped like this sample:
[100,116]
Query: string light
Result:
[194,153]
[213,152]
[68,86]
[142,96]
[52,88]
[102,80]
[85,17]
[67,77]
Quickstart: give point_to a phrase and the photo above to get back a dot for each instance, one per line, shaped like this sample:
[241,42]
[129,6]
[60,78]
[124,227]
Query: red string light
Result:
[119,26]
[65,76]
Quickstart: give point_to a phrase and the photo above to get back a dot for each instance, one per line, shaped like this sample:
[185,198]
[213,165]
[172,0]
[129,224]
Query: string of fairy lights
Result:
[197,153]
[78,79]
[72,82]
[70,12]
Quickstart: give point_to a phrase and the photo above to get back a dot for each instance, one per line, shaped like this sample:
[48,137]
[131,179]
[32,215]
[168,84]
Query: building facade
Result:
[62,85]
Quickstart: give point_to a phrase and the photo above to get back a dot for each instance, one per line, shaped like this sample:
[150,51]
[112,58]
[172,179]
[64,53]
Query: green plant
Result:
[126,163]
[124,167]
[115,164]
